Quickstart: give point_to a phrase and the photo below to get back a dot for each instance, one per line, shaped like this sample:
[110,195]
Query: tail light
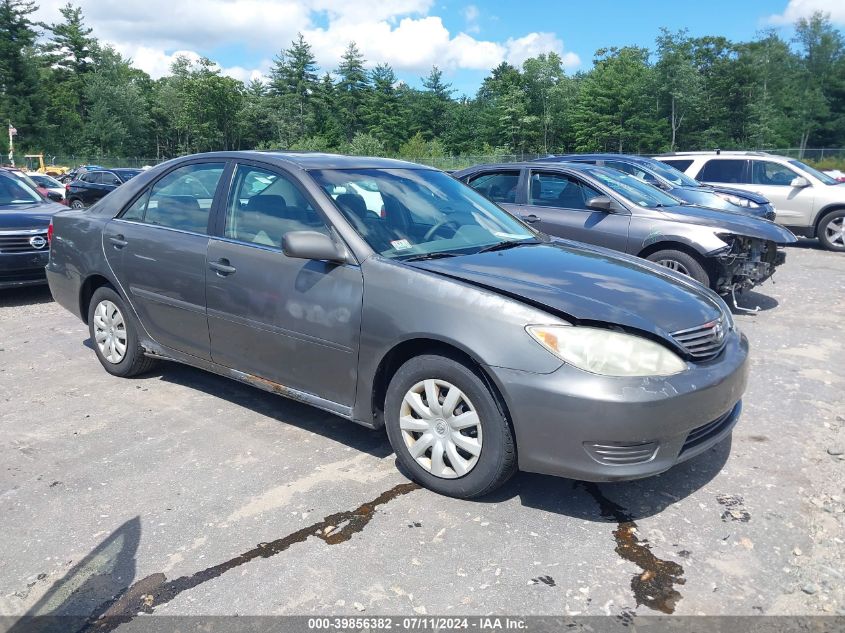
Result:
[50,233]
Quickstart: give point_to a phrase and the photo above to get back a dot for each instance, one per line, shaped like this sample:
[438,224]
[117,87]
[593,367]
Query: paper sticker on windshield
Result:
[400,245]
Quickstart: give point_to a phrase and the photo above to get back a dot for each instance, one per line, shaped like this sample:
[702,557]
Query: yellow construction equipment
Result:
[42,168]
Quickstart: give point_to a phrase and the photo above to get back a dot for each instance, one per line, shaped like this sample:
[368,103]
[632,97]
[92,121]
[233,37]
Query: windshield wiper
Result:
[424,256]
[506,244]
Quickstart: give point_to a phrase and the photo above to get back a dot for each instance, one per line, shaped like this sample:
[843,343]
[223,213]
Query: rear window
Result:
[677,163]
[724,170]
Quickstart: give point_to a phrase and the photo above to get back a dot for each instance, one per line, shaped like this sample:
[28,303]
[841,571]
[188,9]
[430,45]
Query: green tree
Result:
[384,114]
[293,79]
[352,88]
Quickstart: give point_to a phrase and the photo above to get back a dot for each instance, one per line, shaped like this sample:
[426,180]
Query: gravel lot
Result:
[209,497]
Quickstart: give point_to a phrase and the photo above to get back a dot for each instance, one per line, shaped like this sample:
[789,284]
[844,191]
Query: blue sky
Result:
[465,38]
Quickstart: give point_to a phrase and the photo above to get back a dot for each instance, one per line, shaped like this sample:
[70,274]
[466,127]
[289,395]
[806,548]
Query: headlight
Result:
[606,352]
[738,201]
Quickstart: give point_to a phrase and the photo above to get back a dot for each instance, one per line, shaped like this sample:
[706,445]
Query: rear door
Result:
[158,248]
[558,201]
[291,321]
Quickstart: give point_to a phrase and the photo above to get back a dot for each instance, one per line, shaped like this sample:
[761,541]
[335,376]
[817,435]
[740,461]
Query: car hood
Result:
[728,222]
[587,284]
[707,197]
[755,197]
[29,216]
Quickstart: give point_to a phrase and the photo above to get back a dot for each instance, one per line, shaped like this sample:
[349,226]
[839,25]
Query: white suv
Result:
[807,201]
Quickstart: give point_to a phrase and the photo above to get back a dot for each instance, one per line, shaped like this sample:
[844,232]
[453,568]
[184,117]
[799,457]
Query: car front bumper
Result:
[575,424]
[22,269]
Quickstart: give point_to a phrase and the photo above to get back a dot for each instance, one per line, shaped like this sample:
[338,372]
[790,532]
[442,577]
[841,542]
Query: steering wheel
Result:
[433,230]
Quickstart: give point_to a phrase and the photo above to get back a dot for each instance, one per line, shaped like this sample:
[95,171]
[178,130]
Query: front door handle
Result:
[531,218]
[118,241]
[222,267]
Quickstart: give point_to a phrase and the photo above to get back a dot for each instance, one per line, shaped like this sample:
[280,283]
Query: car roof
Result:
[623,157]
[312,160]
[725,153]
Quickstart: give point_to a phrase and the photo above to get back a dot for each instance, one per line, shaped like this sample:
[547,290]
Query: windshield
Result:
[633,189]
[14,191]
[671,174]
[411,212]
[827,180]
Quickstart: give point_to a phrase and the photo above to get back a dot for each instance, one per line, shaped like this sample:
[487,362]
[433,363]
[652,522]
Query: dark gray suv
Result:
[393,295]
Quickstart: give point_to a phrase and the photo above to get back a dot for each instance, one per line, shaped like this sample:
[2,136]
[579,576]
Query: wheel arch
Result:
[673,245]
[836,206]
[403,351]
[88,288]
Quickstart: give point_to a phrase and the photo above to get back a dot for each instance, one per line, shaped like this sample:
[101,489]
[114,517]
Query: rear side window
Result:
[679,164]
[264,205]
[180,200]
[498,186]
[724,170]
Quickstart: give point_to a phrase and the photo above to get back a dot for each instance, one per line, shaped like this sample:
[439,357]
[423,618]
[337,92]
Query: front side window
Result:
[724,170]
[109,178]
[264,205]
[425,212]
[180,200]
[560,190]
[766,172]
[498,186]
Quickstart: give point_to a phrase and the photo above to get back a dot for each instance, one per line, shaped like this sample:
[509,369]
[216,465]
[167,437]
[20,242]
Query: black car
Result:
[24,241]
[93,185]
[677,183]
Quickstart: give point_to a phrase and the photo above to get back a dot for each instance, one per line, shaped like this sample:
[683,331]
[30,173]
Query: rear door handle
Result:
[118,241]
[531,218]
[222,267]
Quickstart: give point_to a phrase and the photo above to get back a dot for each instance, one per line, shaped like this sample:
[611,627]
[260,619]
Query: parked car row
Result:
[561,316]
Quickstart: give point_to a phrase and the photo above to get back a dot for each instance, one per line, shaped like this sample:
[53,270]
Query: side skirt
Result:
[154,350]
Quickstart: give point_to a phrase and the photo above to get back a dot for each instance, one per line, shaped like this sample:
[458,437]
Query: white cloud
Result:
[403,33]
[796,9]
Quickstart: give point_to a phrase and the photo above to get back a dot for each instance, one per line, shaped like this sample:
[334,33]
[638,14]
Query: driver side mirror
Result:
[313,245]
[602,203]
[799,182]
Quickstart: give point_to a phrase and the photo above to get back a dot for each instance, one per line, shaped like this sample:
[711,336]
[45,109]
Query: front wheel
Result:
[115,336]
[681,262]
[832,230]
[447,428]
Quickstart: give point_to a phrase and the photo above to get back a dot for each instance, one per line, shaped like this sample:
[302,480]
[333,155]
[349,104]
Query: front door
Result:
[157,249]
[557,205]
[793,205]
[291,321]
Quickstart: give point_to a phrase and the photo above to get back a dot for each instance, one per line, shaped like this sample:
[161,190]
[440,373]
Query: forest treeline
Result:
[66,93]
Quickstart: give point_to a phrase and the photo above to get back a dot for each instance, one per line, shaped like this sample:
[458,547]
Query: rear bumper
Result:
[595,428]
[22,269]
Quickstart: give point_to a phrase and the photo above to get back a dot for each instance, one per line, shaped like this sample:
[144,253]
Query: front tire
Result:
[832,231]
[115,335]
[683,263]
[447,428]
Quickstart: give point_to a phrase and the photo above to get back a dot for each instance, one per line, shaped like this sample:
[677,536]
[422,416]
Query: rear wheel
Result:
[832,230]
[76,203]
[683,263]
[115,336]
[447,428]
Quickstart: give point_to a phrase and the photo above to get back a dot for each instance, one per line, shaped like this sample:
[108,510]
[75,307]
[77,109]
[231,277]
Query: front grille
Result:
[621,454]
[705,432]
[704,341]
[19,242]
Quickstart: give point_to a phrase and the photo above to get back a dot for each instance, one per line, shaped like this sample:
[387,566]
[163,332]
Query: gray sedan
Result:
[394,296]
[728,251]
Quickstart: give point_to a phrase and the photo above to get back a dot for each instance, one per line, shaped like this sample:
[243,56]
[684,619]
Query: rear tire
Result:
[832,231]
[114,335]
[76,203]
[465,437]
[683,263]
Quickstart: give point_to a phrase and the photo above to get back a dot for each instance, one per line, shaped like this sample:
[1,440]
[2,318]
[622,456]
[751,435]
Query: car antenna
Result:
[718,151]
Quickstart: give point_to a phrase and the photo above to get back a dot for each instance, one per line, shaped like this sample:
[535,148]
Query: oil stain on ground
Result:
[655,586]
[734,508]
[154,590]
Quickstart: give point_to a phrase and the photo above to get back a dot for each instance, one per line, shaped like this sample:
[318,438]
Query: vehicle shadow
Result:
[88,589]
[282,409]
[807,243]
[634,499]
[28,295]
[751,300]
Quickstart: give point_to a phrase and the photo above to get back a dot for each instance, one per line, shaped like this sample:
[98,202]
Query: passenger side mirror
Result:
[601,203]
[313,245]
[799,182]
